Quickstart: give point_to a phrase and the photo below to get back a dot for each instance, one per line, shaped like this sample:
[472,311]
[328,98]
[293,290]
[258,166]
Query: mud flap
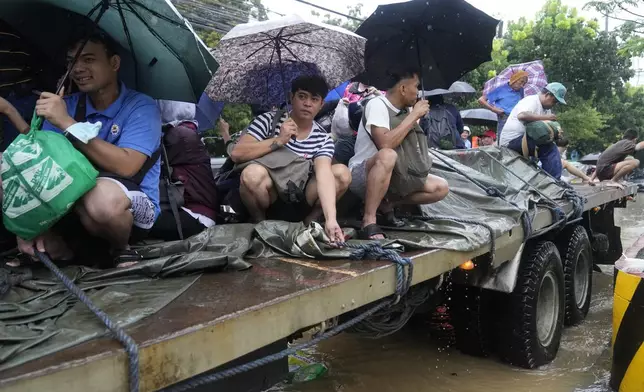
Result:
[601,226]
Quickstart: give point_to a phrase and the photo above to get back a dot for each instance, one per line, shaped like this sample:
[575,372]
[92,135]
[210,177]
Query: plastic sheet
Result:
[39,316]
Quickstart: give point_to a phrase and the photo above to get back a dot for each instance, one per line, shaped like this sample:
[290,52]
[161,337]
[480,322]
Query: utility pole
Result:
[606,23]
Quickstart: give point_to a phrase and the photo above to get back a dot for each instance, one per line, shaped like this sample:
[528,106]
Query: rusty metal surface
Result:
[226,315]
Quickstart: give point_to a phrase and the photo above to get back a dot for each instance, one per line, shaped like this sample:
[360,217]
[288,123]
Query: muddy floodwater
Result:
[411,361]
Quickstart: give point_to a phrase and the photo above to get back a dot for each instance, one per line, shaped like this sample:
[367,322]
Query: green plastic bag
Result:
[543,132]
[43,175]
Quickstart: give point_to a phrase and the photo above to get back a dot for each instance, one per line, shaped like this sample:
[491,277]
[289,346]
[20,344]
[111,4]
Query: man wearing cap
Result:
[530,109]
[488,138]
[503,99]
[465,135]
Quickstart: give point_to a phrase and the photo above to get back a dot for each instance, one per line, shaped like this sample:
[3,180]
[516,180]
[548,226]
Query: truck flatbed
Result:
[227,315]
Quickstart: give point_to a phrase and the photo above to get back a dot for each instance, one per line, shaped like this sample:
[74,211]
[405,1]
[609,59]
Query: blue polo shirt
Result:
[505,98]
[133,121]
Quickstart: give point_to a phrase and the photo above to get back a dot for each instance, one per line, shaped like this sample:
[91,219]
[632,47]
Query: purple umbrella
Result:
[537,78]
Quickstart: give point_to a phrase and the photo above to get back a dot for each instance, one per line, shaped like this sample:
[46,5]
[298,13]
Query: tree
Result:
[220,15]
[349,24]
[574,51]
[633,27]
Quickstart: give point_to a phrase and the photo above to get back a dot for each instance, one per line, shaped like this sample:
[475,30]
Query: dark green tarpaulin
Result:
[40,317]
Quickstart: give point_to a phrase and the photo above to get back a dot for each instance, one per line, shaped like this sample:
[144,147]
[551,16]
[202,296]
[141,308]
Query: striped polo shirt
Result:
[317,144]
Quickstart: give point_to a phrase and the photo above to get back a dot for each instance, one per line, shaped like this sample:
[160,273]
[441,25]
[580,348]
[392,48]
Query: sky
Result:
[501,9]
[505,10]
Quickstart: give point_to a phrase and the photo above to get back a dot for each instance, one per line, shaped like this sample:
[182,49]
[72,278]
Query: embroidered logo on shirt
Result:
[115,130]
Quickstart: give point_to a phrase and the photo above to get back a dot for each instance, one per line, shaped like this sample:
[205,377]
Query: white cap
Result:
[467,129]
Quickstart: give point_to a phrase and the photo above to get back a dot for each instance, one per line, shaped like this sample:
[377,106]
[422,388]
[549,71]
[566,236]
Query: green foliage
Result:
[349,24]
[593,64]
[574,51]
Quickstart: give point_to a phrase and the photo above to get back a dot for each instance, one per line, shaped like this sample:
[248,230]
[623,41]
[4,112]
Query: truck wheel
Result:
[470,309]
[577,260]
[535,309]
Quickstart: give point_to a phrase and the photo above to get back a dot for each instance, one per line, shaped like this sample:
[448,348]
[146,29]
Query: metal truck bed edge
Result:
[227,315]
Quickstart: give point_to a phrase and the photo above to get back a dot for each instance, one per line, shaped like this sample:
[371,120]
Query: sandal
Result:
[388,219]
[367,232]
[126,256]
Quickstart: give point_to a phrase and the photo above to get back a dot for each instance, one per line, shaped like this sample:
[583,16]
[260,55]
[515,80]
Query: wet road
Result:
[411,361]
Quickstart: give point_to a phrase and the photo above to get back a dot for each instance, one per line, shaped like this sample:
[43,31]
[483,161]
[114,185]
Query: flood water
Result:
[411,361]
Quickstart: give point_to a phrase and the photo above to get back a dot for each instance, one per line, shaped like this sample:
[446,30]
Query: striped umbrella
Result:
[537,78]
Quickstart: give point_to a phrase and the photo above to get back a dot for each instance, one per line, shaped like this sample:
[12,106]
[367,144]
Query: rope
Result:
[131,348]
[360,251]
[526,220]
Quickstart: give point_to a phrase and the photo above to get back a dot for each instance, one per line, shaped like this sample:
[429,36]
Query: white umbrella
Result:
[259,60]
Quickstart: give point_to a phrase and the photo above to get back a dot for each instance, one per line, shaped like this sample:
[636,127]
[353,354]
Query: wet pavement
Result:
[411,361]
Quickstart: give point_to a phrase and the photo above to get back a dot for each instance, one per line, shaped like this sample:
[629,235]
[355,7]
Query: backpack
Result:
[413,163]
[541,132]
[289,172]
[439,127]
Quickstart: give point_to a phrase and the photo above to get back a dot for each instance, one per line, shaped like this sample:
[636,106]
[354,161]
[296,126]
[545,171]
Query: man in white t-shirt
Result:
[530,109]
[374,160]
[303,136]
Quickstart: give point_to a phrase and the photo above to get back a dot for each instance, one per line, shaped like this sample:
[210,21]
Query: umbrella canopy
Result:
[459,87]
[537,78]
[337,93]
[162,56]
[208,112]
[483,117]
[434,92]
[445,39]
[260,59]
[590,159]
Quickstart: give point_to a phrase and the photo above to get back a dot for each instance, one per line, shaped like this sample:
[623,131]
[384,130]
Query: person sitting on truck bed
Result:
[297,132]
[535,108]
[612,164]
[374,160]
[562,146]
[125,200]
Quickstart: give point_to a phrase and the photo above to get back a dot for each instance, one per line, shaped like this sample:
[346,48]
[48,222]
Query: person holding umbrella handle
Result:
[379,167]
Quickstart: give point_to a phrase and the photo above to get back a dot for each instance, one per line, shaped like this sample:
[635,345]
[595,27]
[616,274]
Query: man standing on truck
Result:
[299,134]
[612,164]
[375,158]
[530,109]
[125,200]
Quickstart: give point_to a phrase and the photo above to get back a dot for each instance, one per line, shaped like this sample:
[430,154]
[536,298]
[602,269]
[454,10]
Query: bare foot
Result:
[127,264]
[614,184]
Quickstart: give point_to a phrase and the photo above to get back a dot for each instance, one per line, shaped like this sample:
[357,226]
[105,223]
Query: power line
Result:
[330,10]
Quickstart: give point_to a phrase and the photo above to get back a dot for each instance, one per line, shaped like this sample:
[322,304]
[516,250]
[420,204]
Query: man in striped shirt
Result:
[299,133]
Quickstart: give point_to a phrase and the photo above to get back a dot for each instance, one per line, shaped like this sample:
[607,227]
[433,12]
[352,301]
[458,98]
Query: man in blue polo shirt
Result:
[125,152]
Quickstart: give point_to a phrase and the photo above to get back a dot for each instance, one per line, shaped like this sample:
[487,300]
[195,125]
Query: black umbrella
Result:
[444,38]
[483,117]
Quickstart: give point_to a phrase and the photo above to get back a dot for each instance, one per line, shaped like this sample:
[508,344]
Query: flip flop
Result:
[124,256]
[367,232]
[388,219]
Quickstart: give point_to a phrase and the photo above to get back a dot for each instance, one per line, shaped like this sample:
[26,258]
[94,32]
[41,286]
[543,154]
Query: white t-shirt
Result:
[376,114]
[515,128]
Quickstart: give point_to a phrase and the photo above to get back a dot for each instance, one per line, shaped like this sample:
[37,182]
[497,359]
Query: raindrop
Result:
[430,28]
[458,15]
[403,20]
[460,33]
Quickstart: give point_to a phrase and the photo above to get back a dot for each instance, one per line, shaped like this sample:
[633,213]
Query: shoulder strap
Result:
[81,108]
[166,177]
[138,177]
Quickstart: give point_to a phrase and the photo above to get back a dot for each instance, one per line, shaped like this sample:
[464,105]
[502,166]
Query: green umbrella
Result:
[162,55]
